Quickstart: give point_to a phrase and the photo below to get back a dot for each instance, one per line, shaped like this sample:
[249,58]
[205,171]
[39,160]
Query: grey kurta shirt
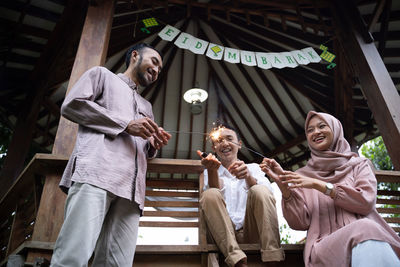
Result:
[104,155]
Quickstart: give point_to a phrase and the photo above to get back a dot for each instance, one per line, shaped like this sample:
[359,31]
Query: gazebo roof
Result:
[268,107]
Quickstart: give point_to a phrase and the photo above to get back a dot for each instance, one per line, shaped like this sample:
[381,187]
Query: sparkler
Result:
[214,135]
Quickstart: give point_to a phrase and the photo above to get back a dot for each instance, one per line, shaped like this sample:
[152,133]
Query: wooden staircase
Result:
[172,185]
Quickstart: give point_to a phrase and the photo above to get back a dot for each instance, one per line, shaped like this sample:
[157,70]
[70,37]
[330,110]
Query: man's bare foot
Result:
[241,263]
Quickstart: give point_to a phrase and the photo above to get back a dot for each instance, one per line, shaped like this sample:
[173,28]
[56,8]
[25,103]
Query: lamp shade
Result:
[195,95]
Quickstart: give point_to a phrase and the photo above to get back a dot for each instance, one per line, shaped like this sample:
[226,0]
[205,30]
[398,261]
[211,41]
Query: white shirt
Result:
[235,191]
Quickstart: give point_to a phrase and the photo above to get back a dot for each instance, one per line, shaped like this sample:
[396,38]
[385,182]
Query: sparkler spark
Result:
[215,135]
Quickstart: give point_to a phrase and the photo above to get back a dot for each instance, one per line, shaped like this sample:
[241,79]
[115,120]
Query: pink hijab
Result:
[334,164]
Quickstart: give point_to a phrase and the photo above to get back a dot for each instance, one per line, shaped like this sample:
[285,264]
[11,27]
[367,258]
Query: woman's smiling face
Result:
[319,134]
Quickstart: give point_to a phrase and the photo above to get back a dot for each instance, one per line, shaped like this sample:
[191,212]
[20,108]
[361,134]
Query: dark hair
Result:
[230,127]
[227,126]
[138,47]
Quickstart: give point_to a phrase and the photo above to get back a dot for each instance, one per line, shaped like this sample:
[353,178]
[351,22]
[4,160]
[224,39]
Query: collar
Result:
[128,81]
[222,171]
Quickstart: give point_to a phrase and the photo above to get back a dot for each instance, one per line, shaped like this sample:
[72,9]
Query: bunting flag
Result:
[215,51]
[263,60]
[327,56]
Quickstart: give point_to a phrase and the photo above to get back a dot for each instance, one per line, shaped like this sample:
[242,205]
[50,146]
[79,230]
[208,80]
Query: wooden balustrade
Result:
[173,190]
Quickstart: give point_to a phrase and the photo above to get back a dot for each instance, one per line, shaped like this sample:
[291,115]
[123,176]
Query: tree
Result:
[376,151]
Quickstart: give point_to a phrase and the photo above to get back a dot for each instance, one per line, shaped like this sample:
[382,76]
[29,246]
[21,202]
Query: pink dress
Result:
[336,225]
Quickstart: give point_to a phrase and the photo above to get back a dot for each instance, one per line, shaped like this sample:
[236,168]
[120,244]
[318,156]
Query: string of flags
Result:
[327,56]
[263,60]
[217,52]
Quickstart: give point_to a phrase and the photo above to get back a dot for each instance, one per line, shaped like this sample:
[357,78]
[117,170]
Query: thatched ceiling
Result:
[268,107]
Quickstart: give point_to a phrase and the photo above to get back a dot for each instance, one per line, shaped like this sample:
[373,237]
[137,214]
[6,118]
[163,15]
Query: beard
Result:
[141,75]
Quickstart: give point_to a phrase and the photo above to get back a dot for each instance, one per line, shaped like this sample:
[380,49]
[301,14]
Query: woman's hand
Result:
[296,180]
[274,170]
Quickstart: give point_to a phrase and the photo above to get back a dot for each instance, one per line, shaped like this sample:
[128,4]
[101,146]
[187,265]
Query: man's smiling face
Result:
[148,67]
[227,145]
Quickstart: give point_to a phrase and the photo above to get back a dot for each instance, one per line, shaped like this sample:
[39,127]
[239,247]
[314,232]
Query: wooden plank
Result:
[256,247]
[173,183]
[40,164]
[376,14]
[391,219]
[376,83]
[174,166]
[172,194]
[167,224]
[185,204]
[388,201]
[388,193]
[387,176]
[143,249]
[388,210]
[162,213]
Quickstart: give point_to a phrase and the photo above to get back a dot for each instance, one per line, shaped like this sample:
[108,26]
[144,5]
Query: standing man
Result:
[105,175]
[238,202]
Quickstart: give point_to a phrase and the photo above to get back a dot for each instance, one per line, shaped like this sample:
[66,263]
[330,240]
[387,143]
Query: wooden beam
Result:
[344,109]
[382,96]
[238,110]
[384,27]
[232,121]
[92,51]
[189,154]
[48,62]
[376,14]
[179,103]
[260,96]
[293,98]
[292,143]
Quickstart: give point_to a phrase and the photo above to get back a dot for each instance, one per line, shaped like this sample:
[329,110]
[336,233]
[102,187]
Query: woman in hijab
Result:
[333,197]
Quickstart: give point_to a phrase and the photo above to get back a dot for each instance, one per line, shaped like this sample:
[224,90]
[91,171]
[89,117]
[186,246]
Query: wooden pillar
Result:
[92,51]
[344,109]
[376,83]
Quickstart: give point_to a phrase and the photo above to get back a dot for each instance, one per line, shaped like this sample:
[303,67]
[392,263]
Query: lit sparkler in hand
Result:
[215,136]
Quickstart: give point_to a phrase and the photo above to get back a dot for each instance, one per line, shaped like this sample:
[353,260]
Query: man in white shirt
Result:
[238,199]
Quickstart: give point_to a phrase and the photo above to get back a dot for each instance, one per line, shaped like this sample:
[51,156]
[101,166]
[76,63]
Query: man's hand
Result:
[143,127]
[146,128]
[210,162]
[163,136]
[239,169]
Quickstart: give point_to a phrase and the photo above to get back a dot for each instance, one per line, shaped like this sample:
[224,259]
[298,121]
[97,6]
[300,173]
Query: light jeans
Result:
[373,253]
[96,220]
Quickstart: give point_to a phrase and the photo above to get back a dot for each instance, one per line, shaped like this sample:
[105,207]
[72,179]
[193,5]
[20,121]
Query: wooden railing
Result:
[389,198]
[172,190]
[175,180]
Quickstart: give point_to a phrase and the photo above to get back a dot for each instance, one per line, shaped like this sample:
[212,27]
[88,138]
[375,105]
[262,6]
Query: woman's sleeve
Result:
[296,211]
[80,105]
[358,196]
